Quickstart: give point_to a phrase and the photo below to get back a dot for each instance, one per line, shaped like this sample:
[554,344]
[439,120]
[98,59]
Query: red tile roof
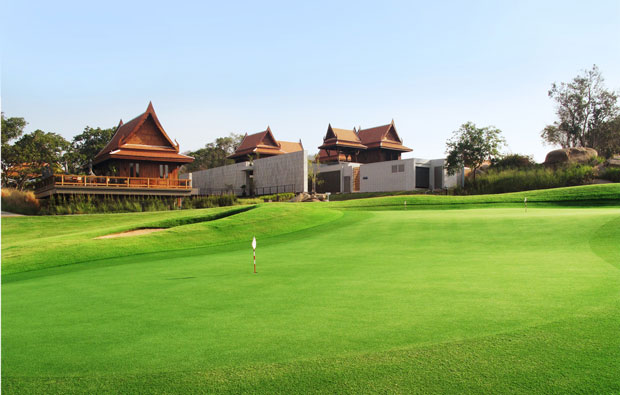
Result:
[263,143]
[117,147]
[341,138]
[380,137]
[288,146]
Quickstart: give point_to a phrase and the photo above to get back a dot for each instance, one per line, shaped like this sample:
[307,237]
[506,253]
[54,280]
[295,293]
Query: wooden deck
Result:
[111,185]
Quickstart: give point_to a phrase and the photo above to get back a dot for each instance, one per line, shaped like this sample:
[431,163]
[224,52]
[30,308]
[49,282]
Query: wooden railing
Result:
[113,182]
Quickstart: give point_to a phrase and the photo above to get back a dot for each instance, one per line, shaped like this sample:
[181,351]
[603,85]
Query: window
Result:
[394,168]
[163,171]
[134,169]
[401,168]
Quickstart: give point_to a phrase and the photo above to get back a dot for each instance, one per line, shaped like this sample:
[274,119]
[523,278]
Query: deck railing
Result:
[70,180]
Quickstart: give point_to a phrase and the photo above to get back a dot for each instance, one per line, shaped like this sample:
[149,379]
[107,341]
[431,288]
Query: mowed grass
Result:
[346,301]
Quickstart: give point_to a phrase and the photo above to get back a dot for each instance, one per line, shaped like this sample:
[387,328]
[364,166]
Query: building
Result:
[378,144]
[263,145]
[140,159]
[363,160]
[263,166]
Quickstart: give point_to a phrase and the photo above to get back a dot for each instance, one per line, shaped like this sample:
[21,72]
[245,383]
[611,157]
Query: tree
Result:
[85,146]
[471,146]
[583,108]
[12,128]
[31,153]
[313,171]
[214,154]
[609,138]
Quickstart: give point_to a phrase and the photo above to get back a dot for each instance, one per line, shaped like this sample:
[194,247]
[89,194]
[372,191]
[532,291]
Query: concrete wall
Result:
[378,177]
[345,169]
[289,172]
[221,179]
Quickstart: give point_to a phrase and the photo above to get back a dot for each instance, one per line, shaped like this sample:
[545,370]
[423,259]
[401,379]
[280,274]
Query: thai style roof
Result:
[331,156]
[142,138]
[382,137]
[263,143]
[341,138]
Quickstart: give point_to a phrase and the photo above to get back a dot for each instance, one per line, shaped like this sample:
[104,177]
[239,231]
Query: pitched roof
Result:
[342,138]
[288,146]
[118,146]
[264,143]
[332,156]
[382,137]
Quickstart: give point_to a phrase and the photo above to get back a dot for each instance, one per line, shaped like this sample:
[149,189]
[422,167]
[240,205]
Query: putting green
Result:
[491,299]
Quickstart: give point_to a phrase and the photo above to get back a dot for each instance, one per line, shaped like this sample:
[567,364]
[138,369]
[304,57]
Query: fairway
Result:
[347,299]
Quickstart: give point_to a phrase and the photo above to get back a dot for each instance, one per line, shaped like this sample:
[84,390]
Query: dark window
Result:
[131,170]
[401,168]
[394,168]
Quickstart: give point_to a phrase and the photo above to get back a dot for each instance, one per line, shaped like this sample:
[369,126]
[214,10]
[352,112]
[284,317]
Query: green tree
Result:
[608,143]
[313,171]
[12,128]
[31,153]
[214,154]
[471,146]
[583,107]
[85,146]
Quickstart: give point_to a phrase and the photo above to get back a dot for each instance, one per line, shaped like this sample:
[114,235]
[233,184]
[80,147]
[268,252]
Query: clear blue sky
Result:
[212,68]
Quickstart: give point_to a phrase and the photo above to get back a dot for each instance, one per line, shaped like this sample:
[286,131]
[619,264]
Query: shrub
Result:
[19,202]
[611,174]
[278,197]
[514,161]
[514,180]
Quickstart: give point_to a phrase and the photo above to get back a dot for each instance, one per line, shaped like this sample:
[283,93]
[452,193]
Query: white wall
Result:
[378,177]
[288,170]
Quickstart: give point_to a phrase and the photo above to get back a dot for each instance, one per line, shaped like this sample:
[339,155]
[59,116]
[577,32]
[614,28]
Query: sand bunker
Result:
[128,233]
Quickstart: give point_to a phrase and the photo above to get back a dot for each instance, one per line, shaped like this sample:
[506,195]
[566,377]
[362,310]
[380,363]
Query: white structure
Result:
[397,175]
[289,173]
[276,174]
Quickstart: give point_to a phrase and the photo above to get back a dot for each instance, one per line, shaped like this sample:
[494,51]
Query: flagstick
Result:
[254,249]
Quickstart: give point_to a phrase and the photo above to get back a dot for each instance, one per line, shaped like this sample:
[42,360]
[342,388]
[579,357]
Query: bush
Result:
[210,201]
[278,197]
[611,174]
[514,161]
[515,180]
[19,202]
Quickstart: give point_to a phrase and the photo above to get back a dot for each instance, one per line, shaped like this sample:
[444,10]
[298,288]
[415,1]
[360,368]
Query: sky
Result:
[215,68]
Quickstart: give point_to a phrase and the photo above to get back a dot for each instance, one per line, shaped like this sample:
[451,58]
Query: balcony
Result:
[111,185]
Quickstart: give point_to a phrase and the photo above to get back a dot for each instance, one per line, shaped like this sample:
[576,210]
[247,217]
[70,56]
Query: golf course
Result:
[443,294]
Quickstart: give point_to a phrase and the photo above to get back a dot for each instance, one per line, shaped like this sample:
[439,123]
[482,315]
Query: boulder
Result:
[614,161]
[570,155]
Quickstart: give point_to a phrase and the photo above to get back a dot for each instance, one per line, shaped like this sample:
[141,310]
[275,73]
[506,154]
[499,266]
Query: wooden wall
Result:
[148,134]
[147,169]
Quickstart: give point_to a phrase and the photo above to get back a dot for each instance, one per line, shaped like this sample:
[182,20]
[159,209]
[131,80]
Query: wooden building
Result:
[378,144]
[340,145]
[140,159]
[141,148]
[383,144]
[263,145]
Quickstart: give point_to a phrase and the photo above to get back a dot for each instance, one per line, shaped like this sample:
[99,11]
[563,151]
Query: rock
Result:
[570,155]
[614,161]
